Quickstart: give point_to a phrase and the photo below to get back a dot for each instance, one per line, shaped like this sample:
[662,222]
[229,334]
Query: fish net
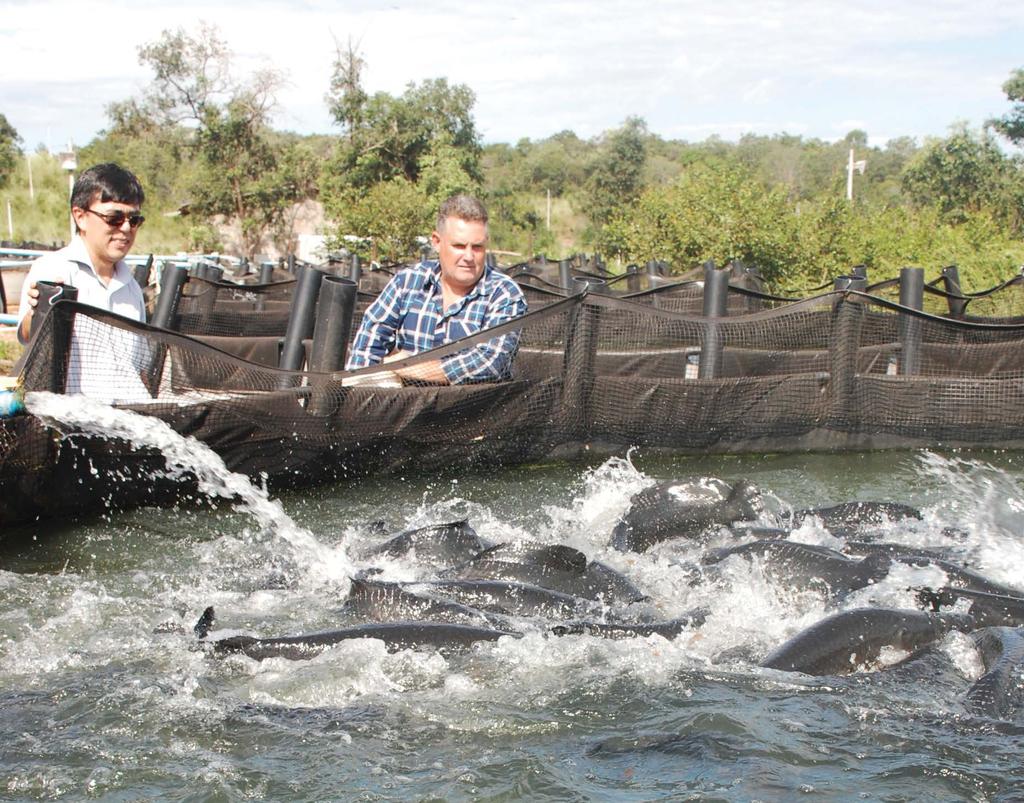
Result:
[841,370]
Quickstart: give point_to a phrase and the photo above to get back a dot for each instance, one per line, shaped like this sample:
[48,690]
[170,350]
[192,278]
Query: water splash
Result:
[188,457]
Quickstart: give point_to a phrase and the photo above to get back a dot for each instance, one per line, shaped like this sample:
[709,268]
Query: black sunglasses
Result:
[116,219]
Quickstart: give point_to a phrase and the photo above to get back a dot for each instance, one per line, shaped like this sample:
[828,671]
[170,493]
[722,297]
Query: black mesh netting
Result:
[840,370]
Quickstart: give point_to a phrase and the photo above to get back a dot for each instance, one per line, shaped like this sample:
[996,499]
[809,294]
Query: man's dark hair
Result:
[111,182]
[463,207]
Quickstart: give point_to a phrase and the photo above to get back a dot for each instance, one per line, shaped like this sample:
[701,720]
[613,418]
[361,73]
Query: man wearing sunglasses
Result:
[107,362]
[105,203]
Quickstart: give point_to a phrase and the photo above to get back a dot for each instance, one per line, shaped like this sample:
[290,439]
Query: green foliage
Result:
[516,225]
[711,211]
[200,141]
[44,214]
[239,168]
[412,151]
[9,150]
[389,217]
[616,171]
[723,212]
[965,174]
[1011,125]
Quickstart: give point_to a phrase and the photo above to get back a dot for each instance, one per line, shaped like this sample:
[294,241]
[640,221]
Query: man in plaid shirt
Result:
[434,303]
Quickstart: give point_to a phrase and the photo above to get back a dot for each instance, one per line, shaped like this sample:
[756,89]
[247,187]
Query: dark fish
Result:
[557,567]
[513,599]
[959,576]
[988,610]
[840,643]
[794,563]
[999,692]
[378,601]
[437,545]
[617,630]
[682,509]
[396,635]
[896,550]
[696,745]
[857,514]
[744,529]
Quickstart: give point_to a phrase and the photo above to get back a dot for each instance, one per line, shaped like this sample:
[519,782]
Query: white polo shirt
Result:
[106,363]
[73,265]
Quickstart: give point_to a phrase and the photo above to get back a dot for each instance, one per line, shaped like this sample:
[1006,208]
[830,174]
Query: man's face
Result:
[106,244]
[461,248]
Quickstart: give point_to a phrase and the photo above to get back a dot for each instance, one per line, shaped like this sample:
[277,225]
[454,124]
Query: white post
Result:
[10,221]
[69,163]
[549,210]
[71,189]
[31,189]
[849,178]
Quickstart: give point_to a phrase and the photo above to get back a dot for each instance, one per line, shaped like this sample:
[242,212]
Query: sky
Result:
[690,68]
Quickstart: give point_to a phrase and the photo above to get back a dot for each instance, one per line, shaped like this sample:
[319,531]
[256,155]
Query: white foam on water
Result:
[587,522]
[186,456]
[986,503]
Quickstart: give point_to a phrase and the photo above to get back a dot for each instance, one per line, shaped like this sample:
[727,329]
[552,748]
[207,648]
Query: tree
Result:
[711,211]
[616,172]
[422,145]
[1011,125]
[963,174]
[9,150]
[243,172]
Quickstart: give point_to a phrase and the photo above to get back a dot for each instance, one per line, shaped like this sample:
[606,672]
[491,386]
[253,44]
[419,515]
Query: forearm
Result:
[430,372]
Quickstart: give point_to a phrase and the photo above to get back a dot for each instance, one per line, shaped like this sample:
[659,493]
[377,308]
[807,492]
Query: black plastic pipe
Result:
[49,294]
[266,272]
[911,295]
[62,327]
[141,272]
[335,309]
[632,279]
[355,269]
[302,317]
[951,280]
[579,362]
[716,298]
[172,280]
[844,346]
[565,274]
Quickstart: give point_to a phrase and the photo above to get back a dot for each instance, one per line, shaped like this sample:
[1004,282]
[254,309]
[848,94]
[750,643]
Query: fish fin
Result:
[205,623]
[934,599]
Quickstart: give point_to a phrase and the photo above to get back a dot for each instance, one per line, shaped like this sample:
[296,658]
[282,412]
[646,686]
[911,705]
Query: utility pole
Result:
[549,210]
[31,189]
[70,163]
[859,166]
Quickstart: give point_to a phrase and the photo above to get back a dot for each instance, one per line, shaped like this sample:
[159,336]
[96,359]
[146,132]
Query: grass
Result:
[10,350]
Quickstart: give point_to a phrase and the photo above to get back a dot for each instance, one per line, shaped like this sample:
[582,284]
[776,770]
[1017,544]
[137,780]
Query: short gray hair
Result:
[463,207]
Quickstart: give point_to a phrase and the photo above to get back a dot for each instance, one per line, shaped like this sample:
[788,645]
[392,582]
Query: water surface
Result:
[105,694]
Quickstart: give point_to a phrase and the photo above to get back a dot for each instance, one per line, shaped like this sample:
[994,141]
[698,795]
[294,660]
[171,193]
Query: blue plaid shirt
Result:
[407,315]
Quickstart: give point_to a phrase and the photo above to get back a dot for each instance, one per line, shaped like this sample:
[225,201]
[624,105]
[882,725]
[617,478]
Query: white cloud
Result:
[689,68]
